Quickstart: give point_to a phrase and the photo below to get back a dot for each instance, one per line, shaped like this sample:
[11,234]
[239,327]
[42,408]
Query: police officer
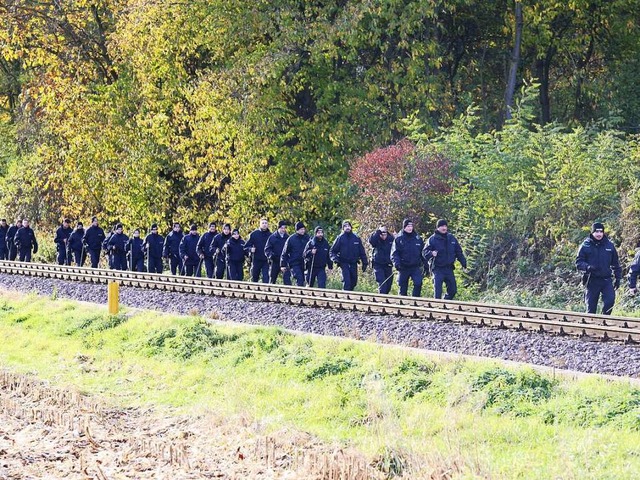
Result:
[153,245]
[62,237]
[219,241]
[188,253]
[598,260]
[292,253]
[92,241]
[117,248]
[273,252]
[346,251]
[25,241]
[255,245]
[234,252]
[105,245]
[4,250]
[75,247]
[317,260]
[9,239]
[204,249]
[441,252]
[406,256]
[171,249]
[135,252]
[382,241]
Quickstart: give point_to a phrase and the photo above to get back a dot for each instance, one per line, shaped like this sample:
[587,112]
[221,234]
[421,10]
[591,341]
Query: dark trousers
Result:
[79,257]
[447,277]
[25,255]
[298,274]
[209,266]
[415,275]
[175,262]
[317,273]
[260,267]
[221,268]
[191,270]
[4,253]
[154,264]
[95,258]
[236,271]
[595,288]
[384,277]
[119,261]
[137,265]
[13,251]
[62,257]
[349,275]
[274,271]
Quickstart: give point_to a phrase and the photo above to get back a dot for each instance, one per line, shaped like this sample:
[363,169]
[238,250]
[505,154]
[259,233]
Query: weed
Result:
[330,367]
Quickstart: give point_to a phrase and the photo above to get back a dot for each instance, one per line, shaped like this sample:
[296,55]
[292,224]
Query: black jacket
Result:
[634,270]
[204,244]
[135,248]
[3,238]
[322,258]
[234,251]
[75,240]
[218,244]
[348,248]
[188,247]
[154,244]
[275,244]
[406,251]
[598,258]
[258,239]
[172,244]
[292,253]
[381,248]
[25,240]
[93,238]
[117,243]
[11,233]
[448,249]
[62,234]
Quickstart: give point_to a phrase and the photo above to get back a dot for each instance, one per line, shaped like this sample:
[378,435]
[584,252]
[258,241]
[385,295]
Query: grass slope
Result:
[468,418]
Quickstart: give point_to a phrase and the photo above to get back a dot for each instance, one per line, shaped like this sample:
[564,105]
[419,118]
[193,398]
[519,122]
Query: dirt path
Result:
[53,433]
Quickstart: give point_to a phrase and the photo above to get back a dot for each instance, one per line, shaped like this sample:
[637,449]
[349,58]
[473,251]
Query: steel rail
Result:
[502,316]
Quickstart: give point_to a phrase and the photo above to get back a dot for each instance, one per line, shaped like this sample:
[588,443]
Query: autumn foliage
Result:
[401,181]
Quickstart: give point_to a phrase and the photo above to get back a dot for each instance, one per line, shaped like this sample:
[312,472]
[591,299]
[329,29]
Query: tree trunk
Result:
[515,61]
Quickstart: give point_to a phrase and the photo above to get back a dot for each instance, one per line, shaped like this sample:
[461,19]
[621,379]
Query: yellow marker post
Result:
[113,297]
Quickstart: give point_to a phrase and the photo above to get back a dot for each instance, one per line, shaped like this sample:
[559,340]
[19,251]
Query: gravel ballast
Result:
[568,353]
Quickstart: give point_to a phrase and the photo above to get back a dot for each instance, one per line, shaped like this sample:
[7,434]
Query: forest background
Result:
[517,121]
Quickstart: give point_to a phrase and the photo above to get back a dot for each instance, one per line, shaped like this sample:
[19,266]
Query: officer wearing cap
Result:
[204,249]
[599,263]
[9,239]
[440,252]
[382,241]
[292,258]
[347,250]
[75,247]
[135,251]
[188,252]
[171,249]
[153,246]
[92,240]
[117,248]
[406,255]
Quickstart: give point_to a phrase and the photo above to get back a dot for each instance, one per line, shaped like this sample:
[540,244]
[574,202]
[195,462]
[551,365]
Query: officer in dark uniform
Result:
[204,249]
[105,245]
[135,252]
[75,247]
[4,249]
[317,260]
[9,239]
[92,240]
[62,237]
[292,258]
[153,245]
[441,252]
[171,249]
[234,252]
[273,252]
[188,252]
[26,242]
[219,241]
[406,256]
[255,248]
[117,247]
[598,260]
[382,241]
[347,250]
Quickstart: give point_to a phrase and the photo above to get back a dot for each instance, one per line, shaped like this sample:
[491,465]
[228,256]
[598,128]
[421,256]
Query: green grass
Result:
[476,418]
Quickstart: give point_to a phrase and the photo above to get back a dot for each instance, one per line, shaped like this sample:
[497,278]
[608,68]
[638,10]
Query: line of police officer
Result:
[297,257]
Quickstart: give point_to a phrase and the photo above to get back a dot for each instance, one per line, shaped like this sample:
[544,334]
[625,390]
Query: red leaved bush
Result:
[401,181]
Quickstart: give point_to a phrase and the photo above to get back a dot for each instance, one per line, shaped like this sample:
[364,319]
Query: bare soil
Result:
[51,433]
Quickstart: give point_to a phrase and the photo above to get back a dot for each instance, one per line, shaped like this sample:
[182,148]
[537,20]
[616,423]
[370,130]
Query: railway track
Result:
[602,327]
